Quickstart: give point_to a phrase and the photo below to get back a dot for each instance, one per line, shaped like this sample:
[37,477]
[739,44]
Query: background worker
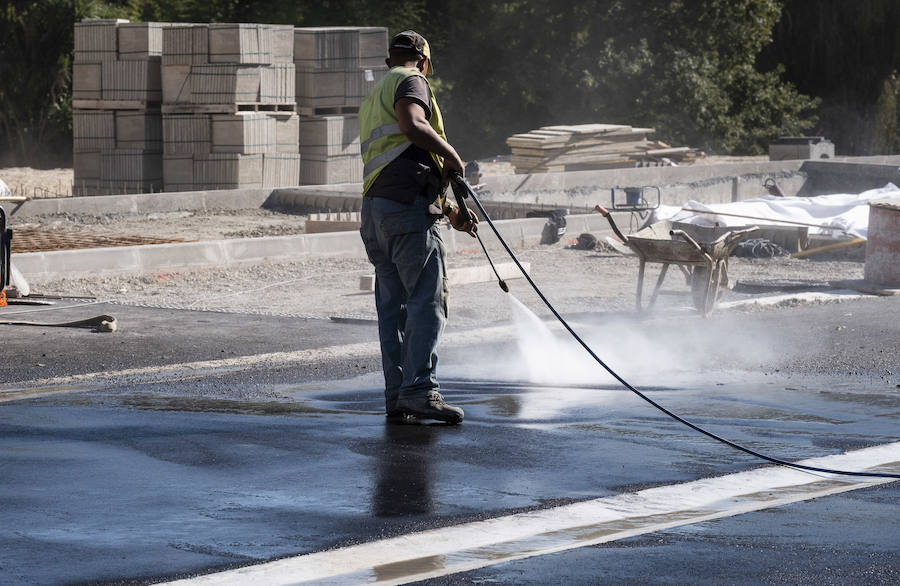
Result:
[407,161]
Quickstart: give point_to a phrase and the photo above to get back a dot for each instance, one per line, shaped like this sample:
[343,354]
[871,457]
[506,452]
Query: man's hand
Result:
[456,220]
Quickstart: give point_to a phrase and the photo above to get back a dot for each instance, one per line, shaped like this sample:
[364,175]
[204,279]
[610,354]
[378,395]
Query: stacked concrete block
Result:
[329,149]
[229,107]
[336,67]
[117,124]
[130,171]
[139,129]
[287,131]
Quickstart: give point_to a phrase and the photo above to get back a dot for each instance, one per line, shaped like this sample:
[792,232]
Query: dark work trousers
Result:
[404,245]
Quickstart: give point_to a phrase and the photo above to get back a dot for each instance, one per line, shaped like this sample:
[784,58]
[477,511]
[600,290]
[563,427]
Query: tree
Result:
[847,54]
[687,69]
[35,75]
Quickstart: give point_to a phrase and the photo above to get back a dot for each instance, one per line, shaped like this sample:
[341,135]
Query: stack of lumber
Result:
[591,146]
[336,68]
[229,112]
[116,91]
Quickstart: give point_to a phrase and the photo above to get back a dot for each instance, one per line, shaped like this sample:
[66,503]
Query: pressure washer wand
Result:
[461,190]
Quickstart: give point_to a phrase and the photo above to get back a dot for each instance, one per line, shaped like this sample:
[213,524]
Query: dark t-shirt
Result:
[399,180]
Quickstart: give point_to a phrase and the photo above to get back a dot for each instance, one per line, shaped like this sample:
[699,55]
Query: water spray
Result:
[462,190]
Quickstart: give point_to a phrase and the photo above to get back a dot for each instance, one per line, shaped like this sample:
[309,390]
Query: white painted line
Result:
[440,552]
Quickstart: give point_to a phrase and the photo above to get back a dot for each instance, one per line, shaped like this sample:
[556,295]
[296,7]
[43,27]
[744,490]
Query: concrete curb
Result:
[189,255]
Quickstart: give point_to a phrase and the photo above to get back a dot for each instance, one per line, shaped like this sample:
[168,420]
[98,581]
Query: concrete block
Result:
[93,130]
[277,84]
[287,130]
[132,80]
[329,136]
[86,167]
[228,171]
[320,87]
[282,43]
[131,171]
[359,82]
[178,172]
[176,85]
[139,129]
[244,132]
[224,83]
[186,133]
[373,46]
[186,44]
[281,169]
[87,81]
[96,40]
[327,48]
[339,169]
[140,40]
[240,43]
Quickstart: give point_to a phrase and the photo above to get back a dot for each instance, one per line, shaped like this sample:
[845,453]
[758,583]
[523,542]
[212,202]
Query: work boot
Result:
[431,406]
[398,417]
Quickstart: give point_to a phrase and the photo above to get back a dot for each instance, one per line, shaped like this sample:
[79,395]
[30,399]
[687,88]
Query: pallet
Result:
[327,110]
[114,105]
[288,108]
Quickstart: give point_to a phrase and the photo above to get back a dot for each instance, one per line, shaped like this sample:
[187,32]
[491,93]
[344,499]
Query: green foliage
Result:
[703,73]
[844,53]
[686,69]
[34,93]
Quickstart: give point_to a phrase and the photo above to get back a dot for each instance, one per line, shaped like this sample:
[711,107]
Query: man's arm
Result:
[415,126]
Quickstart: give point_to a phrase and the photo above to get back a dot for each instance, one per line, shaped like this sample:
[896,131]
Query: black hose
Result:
[461,182]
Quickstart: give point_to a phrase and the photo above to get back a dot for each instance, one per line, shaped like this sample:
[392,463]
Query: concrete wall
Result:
[514,195]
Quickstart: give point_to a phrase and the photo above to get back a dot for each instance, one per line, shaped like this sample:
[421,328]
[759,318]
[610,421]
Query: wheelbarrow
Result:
[700,252]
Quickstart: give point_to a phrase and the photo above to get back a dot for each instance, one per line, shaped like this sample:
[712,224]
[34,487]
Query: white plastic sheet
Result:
[833,215]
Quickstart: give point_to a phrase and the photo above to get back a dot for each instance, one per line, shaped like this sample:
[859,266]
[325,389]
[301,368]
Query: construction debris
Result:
[592,146]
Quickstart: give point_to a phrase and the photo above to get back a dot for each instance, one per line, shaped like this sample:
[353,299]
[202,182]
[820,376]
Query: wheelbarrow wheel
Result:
[705,288]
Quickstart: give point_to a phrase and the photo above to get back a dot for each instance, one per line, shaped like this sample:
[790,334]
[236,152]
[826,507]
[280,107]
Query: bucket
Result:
[633,196]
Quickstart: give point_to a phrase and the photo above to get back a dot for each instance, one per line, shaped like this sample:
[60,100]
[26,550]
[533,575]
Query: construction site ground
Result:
[236,417]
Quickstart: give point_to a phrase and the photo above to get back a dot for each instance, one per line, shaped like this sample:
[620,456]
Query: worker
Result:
[407,161]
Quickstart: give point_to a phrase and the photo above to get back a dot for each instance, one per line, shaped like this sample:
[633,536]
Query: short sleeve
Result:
[415,88]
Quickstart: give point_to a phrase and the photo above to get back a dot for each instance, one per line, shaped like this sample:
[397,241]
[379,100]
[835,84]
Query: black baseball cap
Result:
[413,41]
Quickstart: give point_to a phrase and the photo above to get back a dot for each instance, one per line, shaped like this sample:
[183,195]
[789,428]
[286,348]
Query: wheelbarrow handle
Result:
[612,223]
[687,238]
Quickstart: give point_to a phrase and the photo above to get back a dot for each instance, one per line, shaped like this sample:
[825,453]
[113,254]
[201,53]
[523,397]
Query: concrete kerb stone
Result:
[144,203]
[187,255]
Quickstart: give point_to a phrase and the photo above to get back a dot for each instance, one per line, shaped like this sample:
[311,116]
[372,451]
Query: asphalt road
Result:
[190,442]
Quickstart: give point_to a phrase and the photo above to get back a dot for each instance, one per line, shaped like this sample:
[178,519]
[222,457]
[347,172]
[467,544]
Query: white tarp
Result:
[835,215]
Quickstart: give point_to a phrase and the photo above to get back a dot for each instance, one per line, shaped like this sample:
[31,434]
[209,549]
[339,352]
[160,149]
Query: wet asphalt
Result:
[128,479]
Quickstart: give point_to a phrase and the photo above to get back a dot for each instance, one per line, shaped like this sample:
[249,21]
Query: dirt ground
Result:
[575,280]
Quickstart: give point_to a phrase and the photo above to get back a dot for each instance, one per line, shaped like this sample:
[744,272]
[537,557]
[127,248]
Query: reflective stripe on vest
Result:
[378,133]
[385,158]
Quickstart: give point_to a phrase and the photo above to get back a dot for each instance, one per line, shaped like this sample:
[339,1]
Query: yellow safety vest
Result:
[381,140]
